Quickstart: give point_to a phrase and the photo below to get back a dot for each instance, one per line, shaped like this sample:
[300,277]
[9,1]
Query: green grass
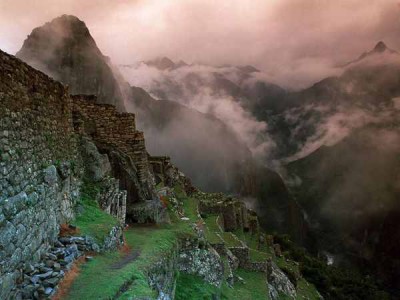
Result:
[189,204]
[251,240]
[258,256]
[306,290]
[98,280]
[254,288]
[179,191]
[190,209]
[287,265]
[211,222]
[213,238]
[230,240]
[194,288]
[212,229]
[93,221]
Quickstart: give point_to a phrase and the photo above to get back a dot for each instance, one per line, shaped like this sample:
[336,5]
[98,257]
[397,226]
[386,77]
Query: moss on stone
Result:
[92,220]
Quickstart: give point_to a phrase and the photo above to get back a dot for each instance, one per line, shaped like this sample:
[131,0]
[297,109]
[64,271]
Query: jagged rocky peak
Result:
[380,47]
[63,33]
[65,50]
[65,27]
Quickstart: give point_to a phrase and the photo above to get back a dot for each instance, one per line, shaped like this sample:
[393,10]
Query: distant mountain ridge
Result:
[380,48]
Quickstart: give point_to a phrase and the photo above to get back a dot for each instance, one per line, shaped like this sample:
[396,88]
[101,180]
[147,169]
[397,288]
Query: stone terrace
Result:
[110,128]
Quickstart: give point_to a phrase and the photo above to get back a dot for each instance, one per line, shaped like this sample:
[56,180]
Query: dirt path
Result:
[68,280]
[129,257]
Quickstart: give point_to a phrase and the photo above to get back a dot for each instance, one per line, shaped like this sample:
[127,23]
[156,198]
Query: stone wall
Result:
[49,141]
[98,169]
[233,213]
[115,134]
[39,165]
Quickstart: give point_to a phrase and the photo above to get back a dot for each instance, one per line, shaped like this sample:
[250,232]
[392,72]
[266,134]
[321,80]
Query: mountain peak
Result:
[380,47]
[65,24]
[68,19]
[60,32]
[64,49]
[164,63]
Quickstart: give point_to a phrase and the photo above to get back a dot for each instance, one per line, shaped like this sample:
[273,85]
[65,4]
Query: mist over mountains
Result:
[335,143]
[220,91]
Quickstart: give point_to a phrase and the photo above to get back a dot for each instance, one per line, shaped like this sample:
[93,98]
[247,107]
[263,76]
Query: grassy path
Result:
[120,274]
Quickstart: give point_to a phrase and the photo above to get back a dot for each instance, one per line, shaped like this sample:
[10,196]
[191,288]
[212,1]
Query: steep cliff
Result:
[350,193]
[202,146]
[65,50]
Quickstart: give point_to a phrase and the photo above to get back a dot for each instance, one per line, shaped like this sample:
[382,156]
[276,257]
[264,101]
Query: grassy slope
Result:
[194,288]
[254,288]
[93,221]
[99,280]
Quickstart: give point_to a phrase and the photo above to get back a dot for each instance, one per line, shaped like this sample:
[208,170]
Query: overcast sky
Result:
[290,39]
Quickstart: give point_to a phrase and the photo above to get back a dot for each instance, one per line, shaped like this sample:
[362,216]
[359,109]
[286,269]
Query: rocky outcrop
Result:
[98,168]
[65,50]
[204,262]
[279,283]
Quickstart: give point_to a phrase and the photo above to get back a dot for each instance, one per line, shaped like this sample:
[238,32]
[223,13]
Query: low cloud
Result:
[196,86]
[295,42]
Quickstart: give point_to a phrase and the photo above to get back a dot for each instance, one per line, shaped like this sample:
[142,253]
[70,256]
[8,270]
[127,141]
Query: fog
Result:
[196,87]
[295,42]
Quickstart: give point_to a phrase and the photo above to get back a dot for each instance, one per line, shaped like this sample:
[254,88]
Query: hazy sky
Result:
[291,39]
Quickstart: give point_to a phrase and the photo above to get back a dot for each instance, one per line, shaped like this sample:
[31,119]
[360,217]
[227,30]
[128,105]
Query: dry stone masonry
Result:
[49,141]
[115,134]
[40,167]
